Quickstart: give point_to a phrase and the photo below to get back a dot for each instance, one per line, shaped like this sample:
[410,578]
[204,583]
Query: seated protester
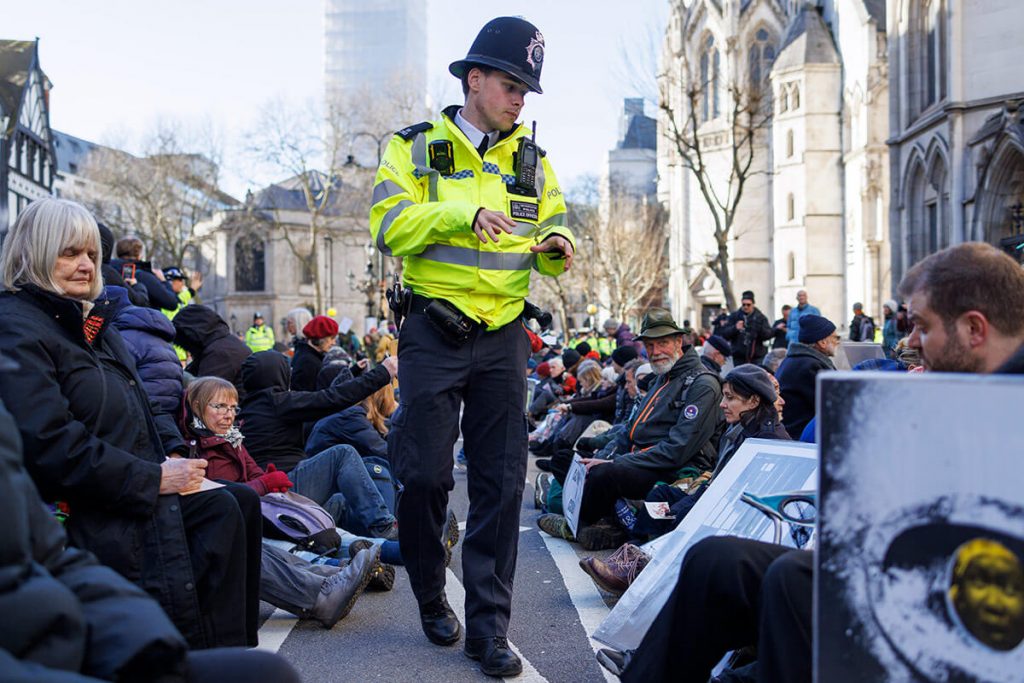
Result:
[716,351]
[92,440]
[215,351]
[363,426]
[148,334]
[595,401]
[320,334]
[137,294]
[272,419]
[294,321]
[813,353]
[675,428]
[626,392]
[549,389]
[734,592]
[753,410]
[69,618]
[208,421]
[129,251]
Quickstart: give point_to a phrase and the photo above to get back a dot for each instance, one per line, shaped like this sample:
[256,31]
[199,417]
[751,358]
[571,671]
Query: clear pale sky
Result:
[120,66]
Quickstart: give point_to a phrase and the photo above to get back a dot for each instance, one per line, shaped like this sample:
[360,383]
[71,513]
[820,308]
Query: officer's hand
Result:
[491,224]
[559,244]
[391,363]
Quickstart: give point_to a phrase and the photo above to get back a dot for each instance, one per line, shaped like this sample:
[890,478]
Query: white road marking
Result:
[585,596]
[457,599]
[462,527]
[275,630]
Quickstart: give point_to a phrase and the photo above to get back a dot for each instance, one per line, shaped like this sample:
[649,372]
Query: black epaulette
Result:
[410,132]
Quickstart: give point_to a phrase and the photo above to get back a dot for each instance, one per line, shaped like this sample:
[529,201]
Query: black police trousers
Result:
[732,593]
[487,374]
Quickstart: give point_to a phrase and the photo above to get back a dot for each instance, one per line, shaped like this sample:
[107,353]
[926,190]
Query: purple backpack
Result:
[301,520]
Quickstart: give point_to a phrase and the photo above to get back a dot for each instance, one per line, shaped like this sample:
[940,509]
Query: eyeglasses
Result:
[225,408]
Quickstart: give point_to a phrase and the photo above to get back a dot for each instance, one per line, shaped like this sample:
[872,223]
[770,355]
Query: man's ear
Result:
[977,326]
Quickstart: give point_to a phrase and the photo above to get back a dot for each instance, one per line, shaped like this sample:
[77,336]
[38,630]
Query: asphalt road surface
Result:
[555,610]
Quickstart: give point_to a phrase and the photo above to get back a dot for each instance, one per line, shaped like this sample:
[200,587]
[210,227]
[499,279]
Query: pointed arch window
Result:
[761,56]
[934,52]
[709,74]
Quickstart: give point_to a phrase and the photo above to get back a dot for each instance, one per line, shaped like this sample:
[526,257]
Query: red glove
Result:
[536,343]
[569,385]
[274,480]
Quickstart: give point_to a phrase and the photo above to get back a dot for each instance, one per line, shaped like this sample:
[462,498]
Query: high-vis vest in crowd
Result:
[259,338]
[427,219]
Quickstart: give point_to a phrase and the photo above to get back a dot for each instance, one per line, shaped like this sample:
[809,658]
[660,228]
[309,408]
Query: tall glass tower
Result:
[374,44]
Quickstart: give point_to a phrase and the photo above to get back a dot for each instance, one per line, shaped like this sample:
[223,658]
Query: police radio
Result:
[524,164]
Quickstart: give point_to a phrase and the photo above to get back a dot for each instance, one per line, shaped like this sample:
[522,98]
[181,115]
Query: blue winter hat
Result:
[814,328]
[720,344]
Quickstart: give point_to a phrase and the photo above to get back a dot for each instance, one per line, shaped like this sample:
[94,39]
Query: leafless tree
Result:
[308,151]
[159,195]
[699,142]
[621,258]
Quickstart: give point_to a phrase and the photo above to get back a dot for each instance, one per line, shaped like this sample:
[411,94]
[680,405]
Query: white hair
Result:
[299,317]
[42,232]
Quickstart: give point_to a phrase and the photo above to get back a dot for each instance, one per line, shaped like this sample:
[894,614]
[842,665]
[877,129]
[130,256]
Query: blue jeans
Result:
[337,479]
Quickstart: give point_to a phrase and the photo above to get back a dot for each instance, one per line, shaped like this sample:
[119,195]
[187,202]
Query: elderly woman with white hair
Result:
[91,439]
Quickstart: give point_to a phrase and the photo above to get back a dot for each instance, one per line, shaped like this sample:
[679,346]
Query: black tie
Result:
[482,147]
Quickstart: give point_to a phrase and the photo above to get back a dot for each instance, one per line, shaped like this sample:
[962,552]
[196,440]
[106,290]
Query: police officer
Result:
[259,337]
[472,206]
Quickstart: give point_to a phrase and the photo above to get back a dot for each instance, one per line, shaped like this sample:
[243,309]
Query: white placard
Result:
[344,325]
[572,492]
[760,466]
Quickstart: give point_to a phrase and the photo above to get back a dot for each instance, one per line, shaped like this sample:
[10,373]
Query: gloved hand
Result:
[585,444]
[275,481]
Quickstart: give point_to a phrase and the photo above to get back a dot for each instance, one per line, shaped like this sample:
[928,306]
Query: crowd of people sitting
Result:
[655,418]
[122,390]
[118,391]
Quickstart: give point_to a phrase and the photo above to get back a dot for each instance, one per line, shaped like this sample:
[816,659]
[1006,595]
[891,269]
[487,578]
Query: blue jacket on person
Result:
[793,324]
[148,334]
[350,426]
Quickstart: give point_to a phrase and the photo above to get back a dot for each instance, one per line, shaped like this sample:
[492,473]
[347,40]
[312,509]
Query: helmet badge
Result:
[535,52]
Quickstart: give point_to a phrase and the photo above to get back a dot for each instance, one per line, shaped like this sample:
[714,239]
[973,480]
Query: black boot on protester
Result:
[439,622]
[339,592]
[495,656]
[382,576]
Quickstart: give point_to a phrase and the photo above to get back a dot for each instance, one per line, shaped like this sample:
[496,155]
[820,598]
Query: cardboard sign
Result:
[572,492]
[760,466]
[344,325]
[920,563]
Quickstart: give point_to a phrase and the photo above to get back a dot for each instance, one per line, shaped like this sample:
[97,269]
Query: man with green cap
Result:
[677,426]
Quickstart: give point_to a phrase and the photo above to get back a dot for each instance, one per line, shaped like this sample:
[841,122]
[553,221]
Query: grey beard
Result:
[661,369]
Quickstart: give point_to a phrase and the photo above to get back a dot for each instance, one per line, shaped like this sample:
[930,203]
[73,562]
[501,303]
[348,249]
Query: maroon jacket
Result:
[224,461]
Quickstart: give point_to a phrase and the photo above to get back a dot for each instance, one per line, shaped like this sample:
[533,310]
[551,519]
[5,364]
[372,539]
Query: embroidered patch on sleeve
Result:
[690,411]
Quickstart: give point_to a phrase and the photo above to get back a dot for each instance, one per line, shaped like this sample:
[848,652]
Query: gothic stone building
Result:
[814,213]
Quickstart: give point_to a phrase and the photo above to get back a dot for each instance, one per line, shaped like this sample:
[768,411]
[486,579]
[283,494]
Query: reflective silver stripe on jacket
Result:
[419,160]
[556,219]
[385,189]
[525,229]
[386,222]
[484,260]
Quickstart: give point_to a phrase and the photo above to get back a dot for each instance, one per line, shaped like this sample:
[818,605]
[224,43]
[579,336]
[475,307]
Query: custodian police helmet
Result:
[510,44]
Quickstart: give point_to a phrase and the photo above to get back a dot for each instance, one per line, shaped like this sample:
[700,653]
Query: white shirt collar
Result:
[472,133]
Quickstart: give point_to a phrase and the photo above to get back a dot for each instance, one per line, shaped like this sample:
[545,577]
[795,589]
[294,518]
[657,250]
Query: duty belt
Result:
[455,326]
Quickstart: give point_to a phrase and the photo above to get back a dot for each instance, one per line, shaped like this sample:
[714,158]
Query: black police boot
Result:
[495,657]
[439,622]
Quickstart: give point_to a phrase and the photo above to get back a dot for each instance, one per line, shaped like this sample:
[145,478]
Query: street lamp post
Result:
[381,276]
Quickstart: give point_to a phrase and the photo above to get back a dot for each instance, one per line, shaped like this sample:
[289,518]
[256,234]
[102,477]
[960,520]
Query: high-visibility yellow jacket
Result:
[427,218]
[259,338]
[184,299]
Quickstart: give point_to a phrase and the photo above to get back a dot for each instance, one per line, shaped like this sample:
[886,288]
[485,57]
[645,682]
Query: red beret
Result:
[594,355]
[543,369]
[319,327]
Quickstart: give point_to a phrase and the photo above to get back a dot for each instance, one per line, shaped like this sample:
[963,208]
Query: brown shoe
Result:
[615,573]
